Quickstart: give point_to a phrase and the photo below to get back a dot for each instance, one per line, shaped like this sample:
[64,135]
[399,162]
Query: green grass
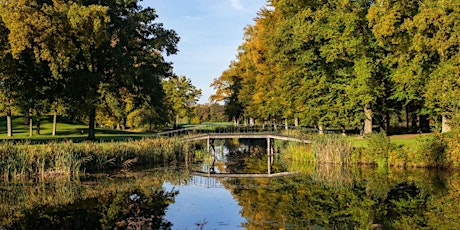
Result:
[65,130]
[399,140]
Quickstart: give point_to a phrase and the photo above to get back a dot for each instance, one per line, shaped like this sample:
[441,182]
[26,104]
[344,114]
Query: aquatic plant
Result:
[24,160]
[335,149]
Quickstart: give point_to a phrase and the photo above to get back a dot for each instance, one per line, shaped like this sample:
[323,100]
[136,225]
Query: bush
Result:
[378,149]
[429,152]
[452,148]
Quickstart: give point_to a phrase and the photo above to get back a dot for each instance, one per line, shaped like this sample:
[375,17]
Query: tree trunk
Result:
[407,116]
[320,129]
[286,126]
[26,118]
[54,123]
[31,128]
[9,125]
[445,124]
[296,122]
[386,121]
[92,124]
[424,123]
[414,122]
[368,119]
[38,123]
[251,121]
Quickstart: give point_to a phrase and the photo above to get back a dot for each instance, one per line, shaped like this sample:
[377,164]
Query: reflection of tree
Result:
[125,210]
[125,201]
[390,199]
[137,210]
[250,156]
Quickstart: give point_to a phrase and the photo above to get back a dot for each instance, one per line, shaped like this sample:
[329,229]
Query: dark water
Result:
[320,197]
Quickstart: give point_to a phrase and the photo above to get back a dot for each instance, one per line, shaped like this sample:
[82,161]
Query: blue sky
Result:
[210,32]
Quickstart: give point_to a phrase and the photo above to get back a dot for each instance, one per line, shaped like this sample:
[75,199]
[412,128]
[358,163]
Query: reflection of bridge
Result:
[269,133]
[206,182]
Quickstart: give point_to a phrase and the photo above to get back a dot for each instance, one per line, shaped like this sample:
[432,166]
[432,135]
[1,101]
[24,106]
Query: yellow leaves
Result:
[51,30]
[89,22]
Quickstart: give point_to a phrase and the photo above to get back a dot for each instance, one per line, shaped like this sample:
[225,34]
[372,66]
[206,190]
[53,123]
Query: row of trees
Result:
[88,57]
[347,63]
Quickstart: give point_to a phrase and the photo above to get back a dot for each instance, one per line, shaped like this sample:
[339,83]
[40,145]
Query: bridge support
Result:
[269,155]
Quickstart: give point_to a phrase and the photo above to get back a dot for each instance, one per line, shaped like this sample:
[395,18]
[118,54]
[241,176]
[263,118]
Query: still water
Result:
[318,197]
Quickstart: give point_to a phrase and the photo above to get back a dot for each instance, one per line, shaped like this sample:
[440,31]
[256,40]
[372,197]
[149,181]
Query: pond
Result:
[319,197]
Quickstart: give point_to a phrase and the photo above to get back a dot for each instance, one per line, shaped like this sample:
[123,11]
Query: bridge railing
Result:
[279,129]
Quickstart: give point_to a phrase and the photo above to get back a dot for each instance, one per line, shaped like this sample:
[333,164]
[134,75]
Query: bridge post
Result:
[269,156]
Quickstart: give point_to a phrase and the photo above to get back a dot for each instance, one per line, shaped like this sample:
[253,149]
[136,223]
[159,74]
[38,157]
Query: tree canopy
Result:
[352,64]
[89,56]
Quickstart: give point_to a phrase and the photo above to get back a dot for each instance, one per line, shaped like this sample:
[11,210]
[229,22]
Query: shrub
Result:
[378,148]
[452,148]
[429,152]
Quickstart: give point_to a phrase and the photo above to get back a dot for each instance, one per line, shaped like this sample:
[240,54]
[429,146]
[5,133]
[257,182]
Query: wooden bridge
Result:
[282,132]
[269,133]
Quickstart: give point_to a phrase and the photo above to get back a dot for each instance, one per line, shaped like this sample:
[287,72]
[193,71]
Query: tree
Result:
[408,70]
[95,47]
[227,88]
[436,34]
[8,79]
[181,96]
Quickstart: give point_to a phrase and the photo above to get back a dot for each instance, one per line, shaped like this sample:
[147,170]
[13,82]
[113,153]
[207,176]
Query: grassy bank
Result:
[24,160]
[428,150]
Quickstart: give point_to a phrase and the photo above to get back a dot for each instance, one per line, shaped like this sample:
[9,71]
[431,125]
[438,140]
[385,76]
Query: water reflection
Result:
[241,156]
[119,201]
[322,197]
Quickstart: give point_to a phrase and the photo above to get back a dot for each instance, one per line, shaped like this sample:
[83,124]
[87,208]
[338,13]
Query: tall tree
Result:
[97,47]
[182,95]
[436,34]
[8,78]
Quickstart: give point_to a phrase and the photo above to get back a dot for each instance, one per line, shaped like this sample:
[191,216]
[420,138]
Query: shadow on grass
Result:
[65,131]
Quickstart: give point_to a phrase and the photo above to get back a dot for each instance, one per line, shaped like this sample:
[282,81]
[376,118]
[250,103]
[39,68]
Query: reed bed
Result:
[332,149]
[324,149]
[24,160]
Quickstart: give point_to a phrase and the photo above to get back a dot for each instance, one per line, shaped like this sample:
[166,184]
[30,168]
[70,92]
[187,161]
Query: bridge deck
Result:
[244,136]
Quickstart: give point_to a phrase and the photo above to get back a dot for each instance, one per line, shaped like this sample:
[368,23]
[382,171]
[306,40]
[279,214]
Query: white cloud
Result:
[237,5]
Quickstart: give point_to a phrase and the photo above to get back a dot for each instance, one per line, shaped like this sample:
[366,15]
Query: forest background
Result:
[351,65]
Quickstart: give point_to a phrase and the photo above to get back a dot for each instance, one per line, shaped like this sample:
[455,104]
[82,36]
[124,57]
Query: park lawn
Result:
[406,140]
[65,130]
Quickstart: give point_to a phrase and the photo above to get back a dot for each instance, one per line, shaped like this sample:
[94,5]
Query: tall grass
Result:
[24,160]
[324,149]
[332,149]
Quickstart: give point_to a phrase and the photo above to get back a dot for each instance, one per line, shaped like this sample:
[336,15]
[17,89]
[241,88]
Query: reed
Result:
[332,149]
[325,149]
[24,160]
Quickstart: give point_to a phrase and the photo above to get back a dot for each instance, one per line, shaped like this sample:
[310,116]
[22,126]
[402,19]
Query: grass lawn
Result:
[399,140]
[65,130]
